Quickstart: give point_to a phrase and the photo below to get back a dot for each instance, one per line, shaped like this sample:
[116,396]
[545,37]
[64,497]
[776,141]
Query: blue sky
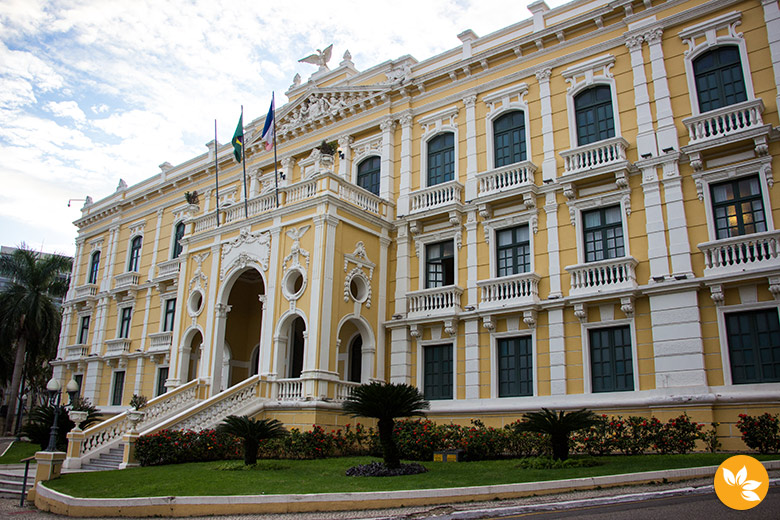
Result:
[92,91]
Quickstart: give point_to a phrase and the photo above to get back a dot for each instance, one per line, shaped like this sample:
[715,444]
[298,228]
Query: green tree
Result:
[386,402]
[558,425]
[29,318]
[251,432]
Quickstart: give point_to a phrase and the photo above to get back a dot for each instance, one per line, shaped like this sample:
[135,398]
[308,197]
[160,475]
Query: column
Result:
[553,245]
[548,142]
[471,147]
[557,351]
[677,340]
[345,163]
[211,349]
[772,17]
[400,356]
[406,165]
[657,252]
[667,132]
[158,234]
[400,346]
[108,271]
[269,315]
[386,169]
[646,135]
[220,314]
[327,291]
[381,306]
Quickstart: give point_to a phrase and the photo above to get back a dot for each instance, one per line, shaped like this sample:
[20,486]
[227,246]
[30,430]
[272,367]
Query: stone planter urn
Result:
[326,162]
[77,416]
[135,416]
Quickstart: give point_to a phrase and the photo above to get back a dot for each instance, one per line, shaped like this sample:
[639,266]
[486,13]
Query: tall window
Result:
[719,79]
[162,376]
[94,267]
[169,314]
[178,234]
[135,254]
[515,367]
[612,369]
[118,388]
[603,229]
[593,110]
[124,322]
[84,330]
[298,327]
[754,346]
[440,264]
[79,379]
[356,360]
[738,207]
[509,138]
[441,158]
[437,365]
[513,251]
[368,174]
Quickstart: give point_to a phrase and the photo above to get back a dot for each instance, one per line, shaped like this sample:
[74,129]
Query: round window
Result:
[195,302]
[358,289]
[294,283]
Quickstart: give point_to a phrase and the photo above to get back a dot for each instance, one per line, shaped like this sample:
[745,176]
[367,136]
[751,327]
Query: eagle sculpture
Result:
[321,58]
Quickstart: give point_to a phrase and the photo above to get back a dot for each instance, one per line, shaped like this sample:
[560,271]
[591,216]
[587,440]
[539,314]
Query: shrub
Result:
[678,435]
[418,439]
[526,444]
[38,427]
[634,435]
[550,463]
[760,433]
[596,440]
[710,438]
[175,446]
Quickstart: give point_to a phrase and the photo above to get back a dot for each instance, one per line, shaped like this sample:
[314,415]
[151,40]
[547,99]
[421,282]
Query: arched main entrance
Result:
[357,350]
[243,326]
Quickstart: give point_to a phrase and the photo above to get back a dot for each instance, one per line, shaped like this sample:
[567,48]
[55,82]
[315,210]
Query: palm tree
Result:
[558,425]
[29,319]
[386,402]
[251,432]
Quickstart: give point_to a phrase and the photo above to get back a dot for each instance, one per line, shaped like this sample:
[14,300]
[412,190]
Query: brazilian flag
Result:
[238,139]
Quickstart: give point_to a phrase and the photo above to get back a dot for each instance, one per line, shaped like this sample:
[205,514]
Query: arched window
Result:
[509,138]
[178,233]
[368,174]
[297,329]
[134,262]
[356,359]
[719,78]
[94,267]
[441,158]
[593,109]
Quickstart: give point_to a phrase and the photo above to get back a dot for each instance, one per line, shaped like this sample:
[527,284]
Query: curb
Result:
[59,503]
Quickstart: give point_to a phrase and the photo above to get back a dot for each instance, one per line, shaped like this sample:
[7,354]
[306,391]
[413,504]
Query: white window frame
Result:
[96,249]
[510,99]
[577,206]
[362,150]
[762,167]
[706,36]
[529,218]
[494,338]
[433,125]
[583,76]
[421,242]
[722,310]
[587,375]
[113,386]
[173,237]
[120,310]
[164,299]
[130,253]
[421,344]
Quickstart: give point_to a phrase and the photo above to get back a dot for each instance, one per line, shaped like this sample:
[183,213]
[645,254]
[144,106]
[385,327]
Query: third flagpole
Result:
[216,167]
[243,162]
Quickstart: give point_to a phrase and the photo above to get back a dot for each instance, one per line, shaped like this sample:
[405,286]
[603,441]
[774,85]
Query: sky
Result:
[94,91]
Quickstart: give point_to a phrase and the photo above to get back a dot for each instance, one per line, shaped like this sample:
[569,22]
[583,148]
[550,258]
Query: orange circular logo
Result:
[741,482]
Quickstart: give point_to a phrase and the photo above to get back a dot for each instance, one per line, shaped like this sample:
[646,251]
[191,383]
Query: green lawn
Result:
[18,451]
[327,476]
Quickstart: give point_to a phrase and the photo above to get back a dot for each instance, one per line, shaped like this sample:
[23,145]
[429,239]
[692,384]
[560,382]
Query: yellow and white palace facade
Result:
[574,211]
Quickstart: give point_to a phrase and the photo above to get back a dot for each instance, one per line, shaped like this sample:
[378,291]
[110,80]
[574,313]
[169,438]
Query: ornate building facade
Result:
[574,211]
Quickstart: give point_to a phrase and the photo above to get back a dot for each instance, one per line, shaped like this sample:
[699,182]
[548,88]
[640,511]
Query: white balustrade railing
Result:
[435,300]
[110,431]
[160,340]
[169,268]
[736,254]
[85,291]
[125,280]
[436,196]
[301,191]
[724,121]
[602,153]
[208,221]
[117,346]
[263,203]
[506,178]
[359,197]
[604,275]
[343,390]
[211,412]
[76,351]
[517,289]
[289,389]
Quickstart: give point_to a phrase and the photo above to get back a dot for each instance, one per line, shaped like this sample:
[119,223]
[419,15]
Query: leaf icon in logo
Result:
[728,476]
[740,480]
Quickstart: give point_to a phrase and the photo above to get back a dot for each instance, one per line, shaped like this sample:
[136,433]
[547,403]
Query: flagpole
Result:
[276,170]
[216,167]
[243,162]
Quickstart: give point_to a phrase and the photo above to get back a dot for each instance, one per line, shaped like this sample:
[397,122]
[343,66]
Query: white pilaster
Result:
[406,164]
[471,147]
[329,252]
[401,268]
[677,340]
[557,351]
[345,163]
[553,245]
[667,132]
[400,356]
[269,323]
[158,234]
[645,138]
[772,18]
[471,355]
[386,169]
[211,349]
[548,141]
[657,252]
[315,286]
[381,306]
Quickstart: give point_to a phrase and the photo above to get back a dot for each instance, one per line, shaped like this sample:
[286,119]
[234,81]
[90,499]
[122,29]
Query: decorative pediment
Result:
[246,249]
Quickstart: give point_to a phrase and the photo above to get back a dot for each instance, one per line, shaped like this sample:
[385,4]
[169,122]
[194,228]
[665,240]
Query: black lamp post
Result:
[53,387]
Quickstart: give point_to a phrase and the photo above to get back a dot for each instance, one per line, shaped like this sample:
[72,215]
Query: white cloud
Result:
[68,109]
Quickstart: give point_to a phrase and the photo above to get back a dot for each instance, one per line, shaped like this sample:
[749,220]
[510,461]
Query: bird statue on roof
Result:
[321,58]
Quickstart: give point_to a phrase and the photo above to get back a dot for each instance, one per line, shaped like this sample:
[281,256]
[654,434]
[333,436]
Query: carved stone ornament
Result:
[360,259]
[246,249]
[319,108]
[199,280]
[488,322]
[296,251]
[580,312]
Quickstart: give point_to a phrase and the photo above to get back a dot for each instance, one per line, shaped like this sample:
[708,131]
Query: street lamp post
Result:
[53,387]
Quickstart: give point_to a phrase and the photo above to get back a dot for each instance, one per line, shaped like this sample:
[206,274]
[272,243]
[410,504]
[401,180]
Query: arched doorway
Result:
[295,348]
[243,326]
[356,350]
[194,356]
[355,367]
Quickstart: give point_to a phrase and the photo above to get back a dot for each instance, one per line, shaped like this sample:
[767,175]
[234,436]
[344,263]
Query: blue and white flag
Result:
[268,129]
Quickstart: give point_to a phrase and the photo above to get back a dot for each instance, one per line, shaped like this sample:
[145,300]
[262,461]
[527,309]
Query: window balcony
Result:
[160,341]
[435,302]
[127,281]
[724,125]
[602,277]
[509,291]
[85,292]
[167,273]
[76,351]
[435,200]
[506,183]
[585,163]
[754,253]
[117,346]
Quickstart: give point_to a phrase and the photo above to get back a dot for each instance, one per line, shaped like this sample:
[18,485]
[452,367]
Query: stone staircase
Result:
[104,461]
[11,482]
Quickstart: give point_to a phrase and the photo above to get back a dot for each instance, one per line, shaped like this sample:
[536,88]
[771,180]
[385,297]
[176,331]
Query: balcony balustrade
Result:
[445,197]
[595,158]
[76,351]
[168,270]
[612,275]
[437,301]
[509,291]
[128,280]
[160,341]
[506,179]
[117,346]
[724,122]
[737,255]
[85,292]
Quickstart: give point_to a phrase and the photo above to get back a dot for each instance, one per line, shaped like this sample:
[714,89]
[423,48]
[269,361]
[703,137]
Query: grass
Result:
[327,476]
[18,451]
